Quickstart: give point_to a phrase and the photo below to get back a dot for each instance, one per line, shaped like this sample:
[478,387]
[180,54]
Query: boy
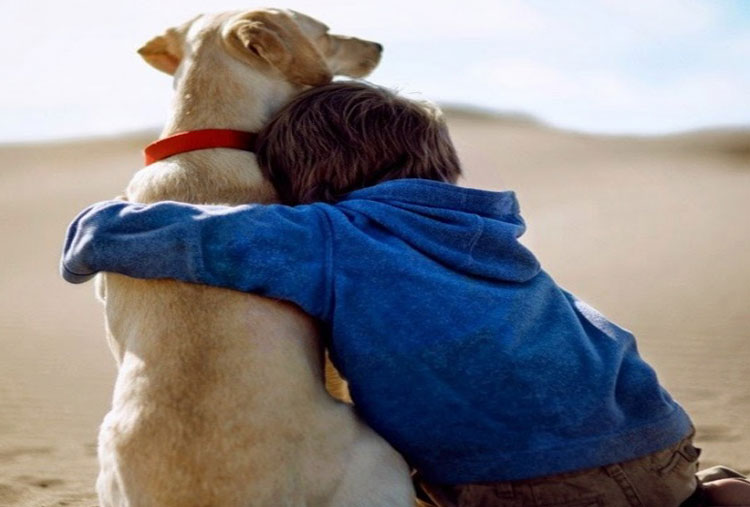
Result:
[498,386]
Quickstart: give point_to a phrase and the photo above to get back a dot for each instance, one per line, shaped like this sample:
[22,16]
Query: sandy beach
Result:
[652,231]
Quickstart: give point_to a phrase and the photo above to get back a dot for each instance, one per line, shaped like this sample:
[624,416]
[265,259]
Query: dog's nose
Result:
[380,47]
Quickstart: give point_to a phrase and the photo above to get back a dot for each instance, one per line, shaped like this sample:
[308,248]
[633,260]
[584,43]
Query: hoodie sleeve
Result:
[272,250]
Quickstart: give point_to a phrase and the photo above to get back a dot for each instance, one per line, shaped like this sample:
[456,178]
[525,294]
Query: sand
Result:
[651,231]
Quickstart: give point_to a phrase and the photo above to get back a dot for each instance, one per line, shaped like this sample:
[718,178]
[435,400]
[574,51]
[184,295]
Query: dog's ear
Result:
[256,38]
[163,52]
[282,45]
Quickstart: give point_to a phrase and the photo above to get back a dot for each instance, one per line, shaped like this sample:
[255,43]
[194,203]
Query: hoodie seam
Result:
[475,239]
[197,261]
[327,229]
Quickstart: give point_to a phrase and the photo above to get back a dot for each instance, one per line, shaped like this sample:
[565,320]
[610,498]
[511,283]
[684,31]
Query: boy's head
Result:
[337,138]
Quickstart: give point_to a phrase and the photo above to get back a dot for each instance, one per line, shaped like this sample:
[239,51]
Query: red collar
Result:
[198,140]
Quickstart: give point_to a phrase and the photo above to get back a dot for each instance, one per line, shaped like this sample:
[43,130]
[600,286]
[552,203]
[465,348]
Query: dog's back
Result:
[203,411]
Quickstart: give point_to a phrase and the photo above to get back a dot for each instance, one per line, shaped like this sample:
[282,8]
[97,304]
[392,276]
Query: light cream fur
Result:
[219,398]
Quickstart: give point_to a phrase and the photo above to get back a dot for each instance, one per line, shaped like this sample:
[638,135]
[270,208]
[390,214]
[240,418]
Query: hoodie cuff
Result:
[72,277]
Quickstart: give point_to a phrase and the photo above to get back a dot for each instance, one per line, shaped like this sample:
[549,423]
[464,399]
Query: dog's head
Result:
[285,43]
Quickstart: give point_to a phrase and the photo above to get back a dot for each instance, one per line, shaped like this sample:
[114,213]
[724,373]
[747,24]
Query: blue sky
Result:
[612,66]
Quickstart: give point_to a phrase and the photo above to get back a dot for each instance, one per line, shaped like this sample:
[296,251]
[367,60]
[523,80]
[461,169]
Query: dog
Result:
[219,398]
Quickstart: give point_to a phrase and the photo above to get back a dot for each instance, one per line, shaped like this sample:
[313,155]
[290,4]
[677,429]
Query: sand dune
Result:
[652,231]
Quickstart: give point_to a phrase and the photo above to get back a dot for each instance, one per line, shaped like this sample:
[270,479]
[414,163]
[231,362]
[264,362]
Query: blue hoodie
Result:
[458,348]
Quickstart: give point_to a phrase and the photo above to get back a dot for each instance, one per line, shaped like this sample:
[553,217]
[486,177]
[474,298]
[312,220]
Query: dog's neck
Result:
[215,91]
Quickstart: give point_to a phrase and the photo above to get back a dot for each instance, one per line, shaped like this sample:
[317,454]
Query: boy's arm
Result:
[276,251]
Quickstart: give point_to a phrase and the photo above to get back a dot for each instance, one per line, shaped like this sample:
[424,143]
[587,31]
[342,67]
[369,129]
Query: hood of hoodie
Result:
[468,230]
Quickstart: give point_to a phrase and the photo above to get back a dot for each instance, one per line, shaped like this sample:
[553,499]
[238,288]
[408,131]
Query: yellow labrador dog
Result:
[219,398]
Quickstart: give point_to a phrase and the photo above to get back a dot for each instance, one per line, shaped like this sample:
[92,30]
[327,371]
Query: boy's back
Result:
[461,351]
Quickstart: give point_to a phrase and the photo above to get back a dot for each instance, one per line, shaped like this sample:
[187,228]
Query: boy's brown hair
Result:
[340,137]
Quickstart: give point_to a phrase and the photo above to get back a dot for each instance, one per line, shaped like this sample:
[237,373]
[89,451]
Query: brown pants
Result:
[662,479]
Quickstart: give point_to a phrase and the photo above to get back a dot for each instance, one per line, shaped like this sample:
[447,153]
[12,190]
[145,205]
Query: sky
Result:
[607,66]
